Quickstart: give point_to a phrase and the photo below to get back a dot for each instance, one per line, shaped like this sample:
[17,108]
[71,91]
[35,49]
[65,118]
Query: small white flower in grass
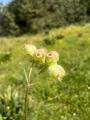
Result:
[40,55]
[56,72]
[74,114]
[88,87]
[31,49]
[52,57]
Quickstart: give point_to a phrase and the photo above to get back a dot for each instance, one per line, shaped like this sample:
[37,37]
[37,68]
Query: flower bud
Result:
[31,49]
[40,55]
[52,57]
[56,72]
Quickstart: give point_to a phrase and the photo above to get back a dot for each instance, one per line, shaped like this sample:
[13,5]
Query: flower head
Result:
[40,55]
[56,72]
[52,57]
[31,49]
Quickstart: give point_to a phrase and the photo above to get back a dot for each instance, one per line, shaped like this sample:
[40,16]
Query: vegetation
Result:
[48,99]
[21,16]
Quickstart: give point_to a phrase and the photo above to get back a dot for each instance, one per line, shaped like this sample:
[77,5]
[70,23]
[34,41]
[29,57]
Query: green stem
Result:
[26,105]
[26,102]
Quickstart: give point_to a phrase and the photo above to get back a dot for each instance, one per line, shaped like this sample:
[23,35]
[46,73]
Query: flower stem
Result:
[26,105]
[26,102]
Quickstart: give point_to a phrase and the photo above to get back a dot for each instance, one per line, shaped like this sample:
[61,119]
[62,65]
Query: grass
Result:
[66,100]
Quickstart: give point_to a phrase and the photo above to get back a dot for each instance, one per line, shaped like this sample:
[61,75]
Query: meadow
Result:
[68,99]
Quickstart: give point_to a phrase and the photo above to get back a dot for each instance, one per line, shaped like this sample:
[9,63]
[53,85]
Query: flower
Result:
[56,71]
[40,55]
[31,49]
[52,57]
[46,61]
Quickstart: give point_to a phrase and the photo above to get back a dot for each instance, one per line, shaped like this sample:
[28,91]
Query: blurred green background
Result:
[66,100]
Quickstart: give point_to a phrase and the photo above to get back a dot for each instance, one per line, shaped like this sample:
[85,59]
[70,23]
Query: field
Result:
[65,100]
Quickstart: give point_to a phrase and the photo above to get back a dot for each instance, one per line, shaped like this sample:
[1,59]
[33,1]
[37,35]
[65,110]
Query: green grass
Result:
[66,100]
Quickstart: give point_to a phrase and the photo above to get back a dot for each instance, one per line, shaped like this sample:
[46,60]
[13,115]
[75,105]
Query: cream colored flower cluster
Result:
[47,58]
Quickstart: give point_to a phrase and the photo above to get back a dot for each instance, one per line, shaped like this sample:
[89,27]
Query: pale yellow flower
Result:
[52,57]
[31,49]
[56,72]
[40,55]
